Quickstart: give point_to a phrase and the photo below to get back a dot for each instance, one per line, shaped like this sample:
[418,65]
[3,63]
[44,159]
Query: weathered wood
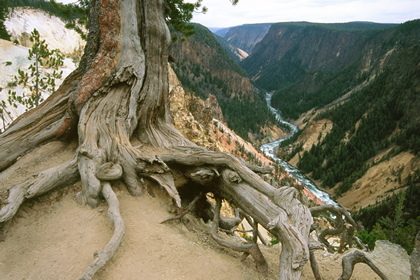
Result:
[278,210]
[248,249]
[118,96]
[360,243]
[109,171]
[345,227]
[192,156]
[314,265]
[250,222]
[350,260]
[103,257]
[40,183]
[186,210]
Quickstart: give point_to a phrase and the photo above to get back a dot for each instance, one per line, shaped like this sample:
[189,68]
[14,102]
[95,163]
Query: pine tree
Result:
[3,14]
[38,80]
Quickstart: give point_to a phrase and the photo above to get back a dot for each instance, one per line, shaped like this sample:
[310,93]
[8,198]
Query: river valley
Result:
[269,150]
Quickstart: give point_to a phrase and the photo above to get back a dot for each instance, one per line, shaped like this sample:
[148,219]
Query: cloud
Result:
[222,14]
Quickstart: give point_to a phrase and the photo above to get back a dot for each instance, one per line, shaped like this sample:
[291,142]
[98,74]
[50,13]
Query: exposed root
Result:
[314,265]
[278,210]
[102,258]
[109,171]
[43,182]
[186,210]
[345,227]
[196,156]
[313,245]
[247,249]
[350,260]
[254,231]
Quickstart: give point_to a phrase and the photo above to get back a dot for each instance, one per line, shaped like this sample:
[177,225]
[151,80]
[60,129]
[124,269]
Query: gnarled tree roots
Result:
[227,177]
[221,174]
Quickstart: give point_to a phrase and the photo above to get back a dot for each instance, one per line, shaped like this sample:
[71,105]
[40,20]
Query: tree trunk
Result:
[116,105]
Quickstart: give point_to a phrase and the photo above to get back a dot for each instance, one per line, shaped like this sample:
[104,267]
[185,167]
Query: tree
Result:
[3,14]
[39,79]
[116,105]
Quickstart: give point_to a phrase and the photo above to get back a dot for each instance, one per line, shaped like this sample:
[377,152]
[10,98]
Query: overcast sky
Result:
[221,13]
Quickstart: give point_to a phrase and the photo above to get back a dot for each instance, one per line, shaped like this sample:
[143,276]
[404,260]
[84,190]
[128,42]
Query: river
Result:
[269,150]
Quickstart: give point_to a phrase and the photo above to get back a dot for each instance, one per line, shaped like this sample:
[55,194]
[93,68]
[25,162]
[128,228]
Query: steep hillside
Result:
[22,21]
[290,51]
[370,70]
[236,53]
[204,67]
[53,237]
[361,129]
[246,36]
[379,114]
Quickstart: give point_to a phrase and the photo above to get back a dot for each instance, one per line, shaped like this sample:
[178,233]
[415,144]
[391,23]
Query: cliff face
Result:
[191,115]
[246,36]
[202,122]
[208,67]
[204,67]
[291,50]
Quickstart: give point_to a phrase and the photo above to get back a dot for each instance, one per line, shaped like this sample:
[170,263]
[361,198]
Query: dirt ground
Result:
[53,237]
[57,240]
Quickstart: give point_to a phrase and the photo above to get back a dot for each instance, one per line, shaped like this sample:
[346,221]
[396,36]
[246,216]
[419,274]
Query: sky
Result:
[221,13]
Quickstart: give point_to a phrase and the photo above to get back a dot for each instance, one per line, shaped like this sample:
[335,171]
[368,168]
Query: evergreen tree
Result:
[3,15]
[40,77]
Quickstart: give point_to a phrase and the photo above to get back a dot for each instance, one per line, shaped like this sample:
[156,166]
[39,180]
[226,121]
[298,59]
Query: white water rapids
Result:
[269,150]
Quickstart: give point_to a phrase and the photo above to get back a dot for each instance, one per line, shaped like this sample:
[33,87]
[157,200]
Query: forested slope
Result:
[204,68]
[373,106]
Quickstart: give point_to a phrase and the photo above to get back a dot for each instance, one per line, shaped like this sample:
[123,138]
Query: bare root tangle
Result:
[253,224]
[360,243]
[277,210]
[350,260]
[102,258]
[247,249]
[118,96]
[186,210]
[345,227]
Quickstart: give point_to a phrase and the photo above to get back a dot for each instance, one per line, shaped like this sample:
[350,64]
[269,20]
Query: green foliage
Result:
[245,116]
[355,26]
[4,113]
[381,116]
[179,14]
[391,222]
[371,237]
[293,100]
[273,239]
[3,15]
[39,78]
[208,39]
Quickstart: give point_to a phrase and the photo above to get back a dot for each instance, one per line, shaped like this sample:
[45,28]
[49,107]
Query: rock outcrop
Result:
[391,259]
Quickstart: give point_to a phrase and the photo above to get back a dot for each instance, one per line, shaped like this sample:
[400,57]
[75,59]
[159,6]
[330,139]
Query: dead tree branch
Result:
[350,260]
[103,257]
